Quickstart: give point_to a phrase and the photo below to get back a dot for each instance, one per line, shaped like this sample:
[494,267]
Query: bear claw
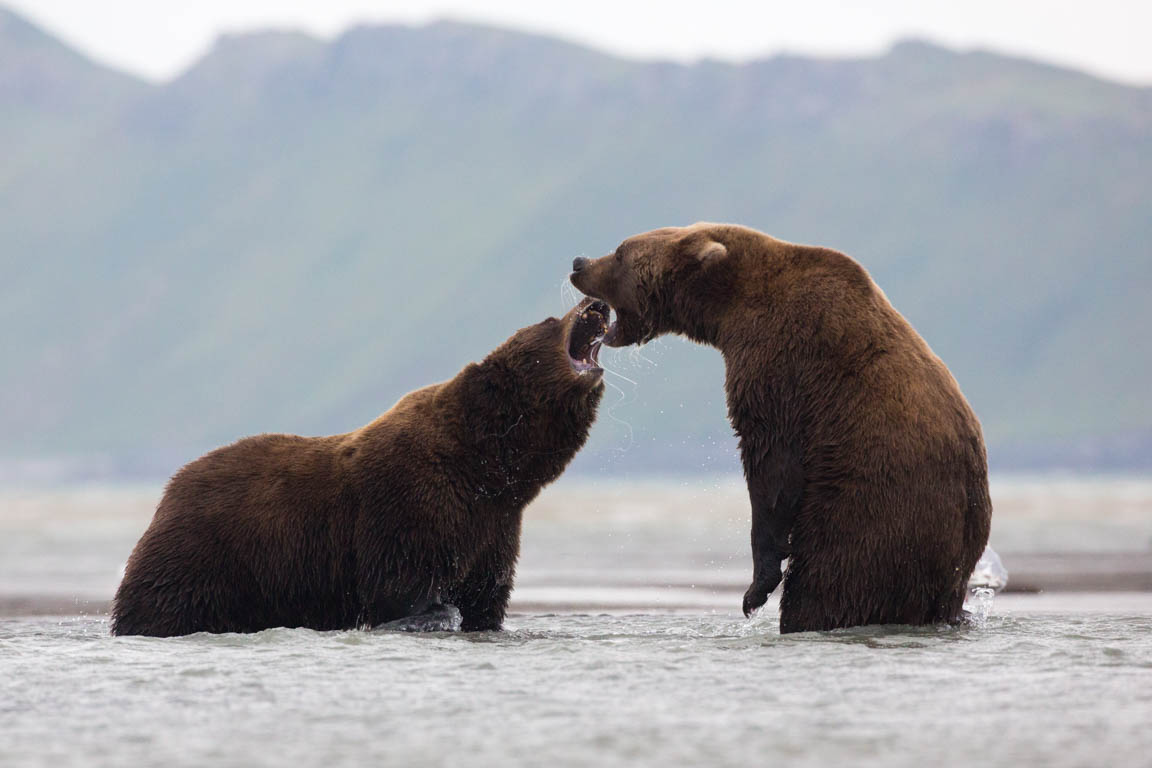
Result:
[758,592]
[753,599]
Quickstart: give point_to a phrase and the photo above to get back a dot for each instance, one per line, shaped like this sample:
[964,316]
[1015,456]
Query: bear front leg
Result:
[775,495]
[483,599]
[392,584]
[767,556]
[393,603]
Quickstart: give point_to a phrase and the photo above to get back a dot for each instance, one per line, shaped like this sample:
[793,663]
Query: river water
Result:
[625,647]
[1064,688]
[581,535]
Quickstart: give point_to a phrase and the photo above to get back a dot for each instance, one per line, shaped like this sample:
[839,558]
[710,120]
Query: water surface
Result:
[594,670]
[1056,688]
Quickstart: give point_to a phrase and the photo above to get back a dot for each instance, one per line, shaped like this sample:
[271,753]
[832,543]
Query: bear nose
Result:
[579,263]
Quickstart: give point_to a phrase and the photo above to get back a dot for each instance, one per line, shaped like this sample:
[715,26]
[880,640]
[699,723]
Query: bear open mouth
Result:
[613,331]
[584,338]
[624,330]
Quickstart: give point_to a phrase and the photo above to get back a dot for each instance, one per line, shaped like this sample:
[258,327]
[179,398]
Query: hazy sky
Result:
[158,38]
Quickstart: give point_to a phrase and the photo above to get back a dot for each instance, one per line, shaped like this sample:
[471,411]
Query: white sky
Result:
[158,38]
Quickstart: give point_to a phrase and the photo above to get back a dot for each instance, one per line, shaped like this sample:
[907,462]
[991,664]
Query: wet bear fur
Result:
[865,465]
[421,507]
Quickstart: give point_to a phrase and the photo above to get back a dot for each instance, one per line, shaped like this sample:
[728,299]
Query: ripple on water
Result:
[649,689]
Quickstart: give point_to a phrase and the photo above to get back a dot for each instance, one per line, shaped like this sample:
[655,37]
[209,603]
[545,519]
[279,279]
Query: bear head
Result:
[670,280]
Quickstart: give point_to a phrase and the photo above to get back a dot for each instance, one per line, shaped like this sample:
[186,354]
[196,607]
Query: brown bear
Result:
[865,465]
[422,507]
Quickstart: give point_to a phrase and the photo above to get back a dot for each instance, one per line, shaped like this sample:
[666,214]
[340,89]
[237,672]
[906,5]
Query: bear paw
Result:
[757,594]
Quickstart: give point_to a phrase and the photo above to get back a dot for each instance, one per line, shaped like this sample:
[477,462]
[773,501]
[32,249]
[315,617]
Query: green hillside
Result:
[295,232]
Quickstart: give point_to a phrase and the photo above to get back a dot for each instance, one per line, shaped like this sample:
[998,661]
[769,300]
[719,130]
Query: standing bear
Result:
[865,465]
[419,508]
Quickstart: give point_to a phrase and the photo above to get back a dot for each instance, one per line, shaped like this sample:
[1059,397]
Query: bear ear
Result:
[710,252]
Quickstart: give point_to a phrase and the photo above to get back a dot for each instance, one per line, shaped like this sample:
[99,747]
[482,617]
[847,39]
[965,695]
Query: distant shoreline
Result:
[1042,575]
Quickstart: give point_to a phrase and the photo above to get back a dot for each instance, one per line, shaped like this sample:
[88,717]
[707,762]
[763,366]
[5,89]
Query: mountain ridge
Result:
[899,45]
[296,231]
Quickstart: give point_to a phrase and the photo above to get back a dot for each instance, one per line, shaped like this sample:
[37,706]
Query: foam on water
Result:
[578,689]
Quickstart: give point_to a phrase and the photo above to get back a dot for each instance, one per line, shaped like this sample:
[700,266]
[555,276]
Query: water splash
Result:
[979,605]
[438,618]
[637,356]
[765,620]
[988,577]
[569,296]
[989,572]
[622,400]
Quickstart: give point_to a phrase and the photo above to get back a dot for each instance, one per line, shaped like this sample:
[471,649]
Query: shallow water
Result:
[1059,679]
[581,532]
[1042,688]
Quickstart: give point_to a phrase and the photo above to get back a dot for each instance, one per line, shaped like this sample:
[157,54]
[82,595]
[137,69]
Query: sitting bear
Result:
[865,465]
[418,509]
